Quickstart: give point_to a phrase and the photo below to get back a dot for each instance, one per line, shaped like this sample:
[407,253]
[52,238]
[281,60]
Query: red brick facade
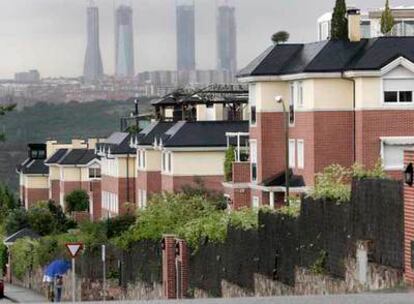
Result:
[371,125]
[409,225]
[124,188]
[149,181]
[172,184]
[33,196]
[55,191]
[241,172]
[95,194]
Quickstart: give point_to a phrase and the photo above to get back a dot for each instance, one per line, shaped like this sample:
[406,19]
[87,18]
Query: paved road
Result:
[21,295]
[26,296]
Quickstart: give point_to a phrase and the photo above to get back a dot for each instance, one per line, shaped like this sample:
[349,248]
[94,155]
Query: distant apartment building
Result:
[347,101]
[371,23]
[185,21]
[32,76]
[93,66]
[124,42]
[226,38]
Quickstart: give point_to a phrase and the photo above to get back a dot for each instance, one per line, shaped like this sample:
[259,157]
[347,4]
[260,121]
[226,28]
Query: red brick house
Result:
[33,176]
[348,101]
[175,155]
[118,161]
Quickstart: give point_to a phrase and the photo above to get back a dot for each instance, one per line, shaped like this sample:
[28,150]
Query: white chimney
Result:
[354,25]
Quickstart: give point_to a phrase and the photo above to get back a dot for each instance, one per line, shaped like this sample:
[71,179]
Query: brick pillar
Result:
[183,269]
[169,281]
[408,224]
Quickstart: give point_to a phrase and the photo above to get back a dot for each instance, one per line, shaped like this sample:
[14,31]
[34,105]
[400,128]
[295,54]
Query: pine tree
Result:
[387,20]
[339,28]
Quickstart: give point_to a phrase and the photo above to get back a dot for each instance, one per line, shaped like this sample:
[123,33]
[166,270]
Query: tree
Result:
[280,37]
[78,200]
[16,220]
[7,201]
[3,111]
[387,20]
[339,23]
[228,163]
[42,220]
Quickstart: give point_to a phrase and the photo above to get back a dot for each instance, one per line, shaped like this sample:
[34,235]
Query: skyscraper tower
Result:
[226,38]
[124,42]
[185,35]
[93,68]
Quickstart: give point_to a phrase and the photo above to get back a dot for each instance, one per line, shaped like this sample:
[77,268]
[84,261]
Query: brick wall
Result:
[176,183]
[168,268]
[270,144]
[96,197]
[408,223]
[149,181]
[55,191]
[371,125]
[35,195]
[241,172]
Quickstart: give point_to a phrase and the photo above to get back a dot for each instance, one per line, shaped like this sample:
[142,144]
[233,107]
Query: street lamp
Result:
[279,99]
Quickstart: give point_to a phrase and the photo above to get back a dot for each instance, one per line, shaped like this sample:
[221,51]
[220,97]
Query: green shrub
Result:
[78,200]
[293,210]
[16,220]
[334,183]
[3,258]
[360,172]
[228,163]
[23,259]
[42,221]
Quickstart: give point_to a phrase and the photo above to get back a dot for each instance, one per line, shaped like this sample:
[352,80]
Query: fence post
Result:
[169,280]
[409,223]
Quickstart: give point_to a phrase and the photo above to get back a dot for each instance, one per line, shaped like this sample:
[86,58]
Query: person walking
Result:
[58,288]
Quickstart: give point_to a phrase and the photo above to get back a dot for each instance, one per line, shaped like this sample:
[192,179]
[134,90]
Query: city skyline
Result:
[55,43]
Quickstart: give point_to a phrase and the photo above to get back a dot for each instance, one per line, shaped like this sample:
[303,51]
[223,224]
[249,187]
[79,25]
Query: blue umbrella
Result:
[57,267]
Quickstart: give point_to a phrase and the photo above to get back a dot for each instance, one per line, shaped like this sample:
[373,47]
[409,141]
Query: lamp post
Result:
[279,99]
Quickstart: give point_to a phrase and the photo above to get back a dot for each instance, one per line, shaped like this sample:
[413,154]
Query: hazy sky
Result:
[49,35]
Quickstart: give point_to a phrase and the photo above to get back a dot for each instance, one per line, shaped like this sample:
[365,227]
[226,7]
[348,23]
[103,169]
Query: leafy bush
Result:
[334,183]
[7,201]
[3,258]
[23,260]
[293,210]
[16,220]
[191,217]
[42,221]
[78,200]
[228,163]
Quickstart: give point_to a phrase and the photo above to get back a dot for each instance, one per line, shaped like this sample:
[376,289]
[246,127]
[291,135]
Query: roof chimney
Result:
[354,24]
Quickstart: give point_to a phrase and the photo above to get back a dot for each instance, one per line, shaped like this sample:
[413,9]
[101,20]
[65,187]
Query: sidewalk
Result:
[22,295]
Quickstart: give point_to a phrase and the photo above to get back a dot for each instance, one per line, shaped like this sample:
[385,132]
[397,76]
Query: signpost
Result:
[74,249]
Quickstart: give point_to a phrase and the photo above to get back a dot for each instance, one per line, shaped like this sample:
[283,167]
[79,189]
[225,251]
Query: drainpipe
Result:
[353,112]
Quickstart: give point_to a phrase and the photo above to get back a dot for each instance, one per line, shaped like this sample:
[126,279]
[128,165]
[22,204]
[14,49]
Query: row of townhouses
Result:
[339,101]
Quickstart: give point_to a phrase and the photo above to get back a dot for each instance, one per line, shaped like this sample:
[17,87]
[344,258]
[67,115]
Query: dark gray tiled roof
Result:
[202,133]
[24,233]
[279,180]
[56,157]
[33,166]
[78,157]
[154,130]
[330,56]
[118,142]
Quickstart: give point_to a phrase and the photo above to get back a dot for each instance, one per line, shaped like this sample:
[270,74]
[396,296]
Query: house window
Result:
[252,103]
[398,90]
[167,162]
[95,173]
[292,153]
[300,94]
[253,160]
[392,151]
[301,154]
[141,159]
[255,202]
